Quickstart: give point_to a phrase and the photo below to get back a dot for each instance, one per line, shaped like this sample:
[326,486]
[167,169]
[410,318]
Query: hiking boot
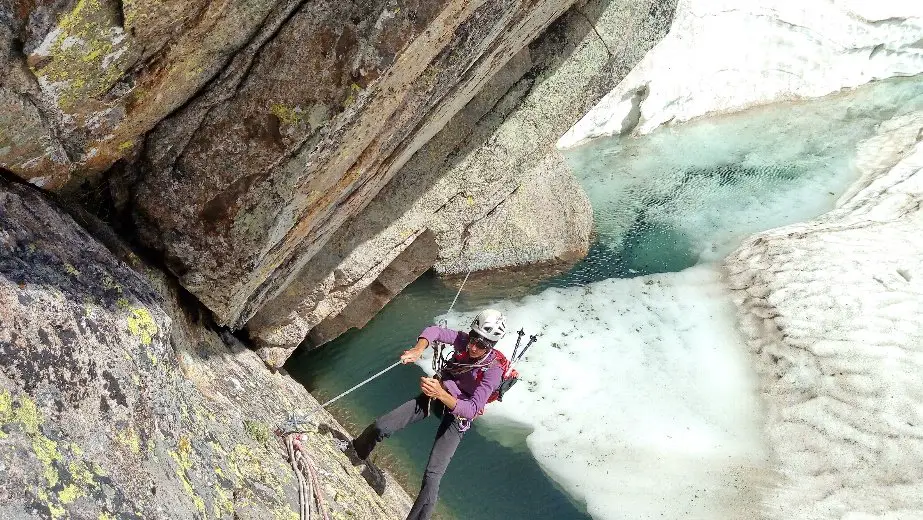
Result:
[372,475]
[350,451]
[375,477]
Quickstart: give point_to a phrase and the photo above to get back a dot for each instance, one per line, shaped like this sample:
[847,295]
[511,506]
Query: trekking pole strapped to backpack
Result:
[510,374]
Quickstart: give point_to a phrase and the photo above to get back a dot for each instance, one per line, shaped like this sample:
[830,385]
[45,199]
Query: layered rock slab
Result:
[722,56]
[248,181]
[117,400]
[831,309]
[102,73]
[490,186]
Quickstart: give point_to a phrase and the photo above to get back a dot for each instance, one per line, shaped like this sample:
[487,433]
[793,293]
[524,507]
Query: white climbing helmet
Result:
[490,324]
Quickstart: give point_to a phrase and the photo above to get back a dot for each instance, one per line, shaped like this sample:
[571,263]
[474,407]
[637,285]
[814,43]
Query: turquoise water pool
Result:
[678,198]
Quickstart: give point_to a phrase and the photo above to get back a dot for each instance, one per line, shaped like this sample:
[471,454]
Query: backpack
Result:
[508,380]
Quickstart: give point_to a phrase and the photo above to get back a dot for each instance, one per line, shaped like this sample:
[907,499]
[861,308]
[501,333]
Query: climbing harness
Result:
[458,363]
[295,439]
[295,421]
[438,359]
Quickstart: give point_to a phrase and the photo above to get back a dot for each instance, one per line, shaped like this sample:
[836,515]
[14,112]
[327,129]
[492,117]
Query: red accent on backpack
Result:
[504,363]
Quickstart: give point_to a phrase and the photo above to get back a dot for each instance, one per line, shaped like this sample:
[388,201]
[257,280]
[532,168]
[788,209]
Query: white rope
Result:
[459,291]
[301,462]
[304,418]
[363,383]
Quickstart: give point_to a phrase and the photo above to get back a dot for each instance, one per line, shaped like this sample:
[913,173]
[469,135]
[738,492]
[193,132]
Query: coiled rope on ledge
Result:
[308,481]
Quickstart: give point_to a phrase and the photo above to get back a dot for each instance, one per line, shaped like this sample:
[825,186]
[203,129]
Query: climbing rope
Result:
[462,286]
[306,472]
[438,359]
[295,421]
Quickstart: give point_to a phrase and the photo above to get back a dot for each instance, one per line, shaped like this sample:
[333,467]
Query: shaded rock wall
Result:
[490,185]
[249,180]
[118,400]
[832,313]
[237,137]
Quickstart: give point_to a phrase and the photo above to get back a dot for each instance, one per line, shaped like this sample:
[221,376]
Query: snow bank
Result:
[727,55]
[832,311]
[640,396]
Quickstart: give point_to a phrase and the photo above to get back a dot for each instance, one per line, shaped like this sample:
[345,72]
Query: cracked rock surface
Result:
[119,400]
[246,183]
[490,186]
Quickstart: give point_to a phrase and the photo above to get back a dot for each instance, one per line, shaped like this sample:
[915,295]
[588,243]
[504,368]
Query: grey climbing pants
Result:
[447,438]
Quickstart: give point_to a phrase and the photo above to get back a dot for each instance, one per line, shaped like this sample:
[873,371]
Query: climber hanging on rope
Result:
[467,381]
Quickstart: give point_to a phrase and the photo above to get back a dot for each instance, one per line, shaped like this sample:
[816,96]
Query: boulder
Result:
[248,181]
[119,400]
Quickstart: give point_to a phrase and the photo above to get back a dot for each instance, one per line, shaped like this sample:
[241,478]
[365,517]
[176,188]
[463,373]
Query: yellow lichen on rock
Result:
[184,464]
[88,53]
[141,324]
[286,114]
[129,438]
[28,415]
[6,410]
[69,494]
[224,502]
[23,411]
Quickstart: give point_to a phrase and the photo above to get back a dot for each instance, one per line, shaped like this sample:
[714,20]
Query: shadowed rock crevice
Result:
[297,154]
[407,267]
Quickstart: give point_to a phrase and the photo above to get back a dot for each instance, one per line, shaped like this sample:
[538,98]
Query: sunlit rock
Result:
[250,179]
[118,400]
[103,72]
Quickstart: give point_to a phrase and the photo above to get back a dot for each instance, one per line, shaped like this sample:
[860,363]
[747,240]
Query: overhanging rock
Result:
[490,186]
[247,182]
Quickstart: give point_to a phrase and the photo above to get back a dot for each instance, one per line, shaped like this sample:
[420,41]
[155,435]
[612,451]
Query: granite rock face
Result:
[831,309]
[250,179]
[490,186]
[118,400]
[93,76]
[237,138]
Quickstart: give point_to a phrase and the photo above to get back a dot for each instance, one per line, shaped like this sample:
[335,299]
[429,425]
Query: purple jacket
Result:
[471,395]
